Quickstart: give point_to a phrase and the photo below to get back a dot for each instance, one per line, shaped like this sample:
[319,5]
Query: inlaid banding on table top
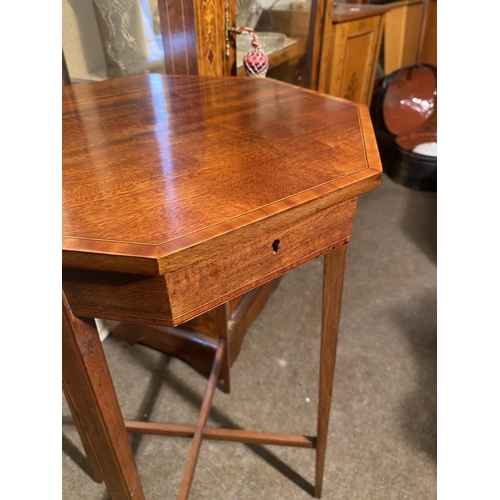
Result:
[155,260]
[156,164]
[174,215]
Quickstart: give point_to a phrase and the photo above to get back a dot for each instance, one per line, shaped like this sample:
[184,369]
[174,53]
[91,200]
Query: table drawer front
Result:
[239,261]
[227,266]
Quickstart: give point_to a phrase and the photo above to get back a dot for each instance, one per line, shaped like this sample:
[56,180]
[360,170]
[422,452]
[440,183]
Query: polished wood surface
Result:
[333,282]
[352,48]
[217,434]
[186,343]
[182,293]
[194,451]
[158,146]
[143,197]
[222,315]
[178,24]
[179,195]
[88,386]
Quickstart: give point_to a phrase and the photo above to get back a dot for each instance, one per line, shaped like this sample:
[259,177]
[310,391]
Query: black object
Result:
[403,111]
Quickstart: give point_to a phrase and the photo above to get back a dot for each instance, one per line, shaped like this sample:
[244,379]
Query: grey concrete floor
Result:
[382,437]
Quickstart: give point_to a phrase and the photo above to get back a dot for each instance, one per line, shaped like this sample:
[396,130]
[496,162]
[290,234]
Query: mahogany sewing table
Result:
[179,194]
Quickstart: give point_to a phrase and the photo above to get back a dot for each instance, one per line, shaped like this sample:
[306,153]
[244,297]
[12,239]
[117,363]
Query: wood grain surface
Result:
[218,434]
[194,450]
[181,193]
[88,386]
[333,283]
[155,164]
[352,48]
[177,23]
[402,34]
[319,21]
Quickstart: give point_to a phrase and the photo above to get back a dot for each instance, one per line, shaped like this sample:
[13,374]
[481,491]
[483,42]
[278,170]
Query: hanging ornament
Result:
[255,62]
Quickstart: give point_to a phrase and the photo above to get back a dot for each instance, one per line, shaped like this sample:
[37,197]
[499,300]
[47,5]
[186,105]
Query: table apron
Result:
[231,265]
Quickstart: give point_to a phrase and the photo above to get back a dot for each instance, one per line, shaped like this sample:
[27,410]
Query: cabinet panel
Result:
[351,52]
[402,34]
[193,36]
[428,40]
[357,61]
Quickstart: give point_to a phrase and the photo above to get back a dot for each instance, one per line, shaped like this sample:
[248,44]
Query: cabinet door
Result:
[402,34]
[196,41]
[104,39]
[349,67]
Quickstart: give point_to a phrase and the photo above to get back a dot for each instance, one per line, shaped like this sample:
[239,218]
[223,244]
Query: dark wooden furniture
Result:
[196,40]
[181,194]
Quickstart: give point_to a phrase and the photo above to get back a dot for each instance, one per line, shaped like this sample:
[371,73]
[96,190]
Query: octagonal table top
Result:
[154,164]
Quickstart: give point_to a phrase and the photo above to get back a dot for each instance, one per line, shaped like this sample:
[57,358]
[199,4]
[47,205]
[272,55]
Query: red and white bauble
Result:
[255,62]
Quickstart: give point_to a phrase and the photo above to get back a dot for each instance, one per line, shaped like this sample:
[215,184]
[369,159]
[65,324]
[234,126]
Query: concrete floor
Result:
[382,439]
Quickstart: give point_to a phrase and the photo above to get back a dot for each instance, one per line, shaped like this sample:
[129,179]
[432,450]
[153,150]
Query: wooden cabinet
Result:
[196,41]
[351,49]
[403,23]
[103,39]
